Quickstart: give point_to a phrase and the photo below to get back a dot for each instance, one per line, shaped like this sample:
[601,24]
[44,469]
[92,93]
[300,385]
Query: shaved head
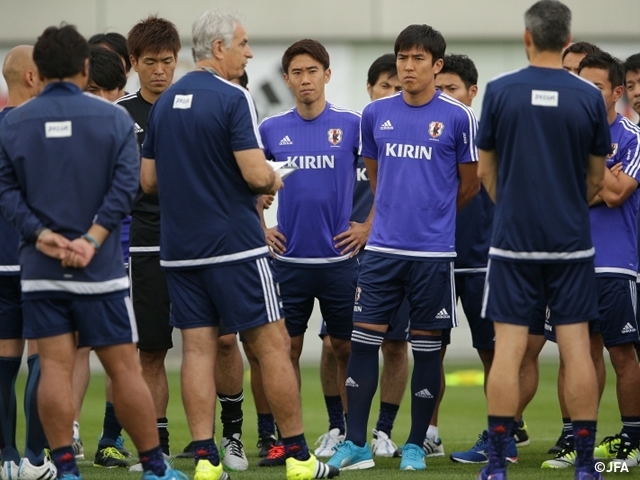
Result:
[16,63]
[21,74]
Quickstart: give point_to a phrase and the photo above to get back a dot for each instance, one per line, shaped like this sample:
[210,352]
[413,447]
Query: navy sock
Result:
[584,439]
[163,433]
[111,427]
[266,424]
[388,412]
[206,450]
[296,447]
[36,440]
[362,381]
[631,428]
[335,411]
[231,413]
[425,384]
[567,427]
[9,367]
[153,461]
[65,461]
[499,436]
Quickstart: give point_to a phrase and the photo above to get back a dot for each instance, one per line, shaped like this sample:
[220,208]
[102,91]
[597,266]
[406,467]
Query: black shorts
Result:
[151,304]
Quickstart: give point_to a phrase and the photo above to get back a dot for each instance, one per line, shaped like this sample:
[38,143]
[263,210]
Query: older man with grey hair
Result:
[203,155]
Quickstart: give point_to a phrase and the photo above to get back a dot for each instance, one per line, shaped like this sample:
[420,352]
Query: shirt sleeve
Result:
[12,203]
[243,124]
[631,153]
[126,177]
[368,147]
[486,139]
[465,137]
[268,154]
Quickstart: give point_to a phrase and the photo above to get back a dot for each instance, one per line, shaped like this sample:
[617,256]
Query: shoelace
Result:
[482,442]
[411,453]
[324,440]
[610,443]
[113,453]
[624,450]
[276,451]
[234,447]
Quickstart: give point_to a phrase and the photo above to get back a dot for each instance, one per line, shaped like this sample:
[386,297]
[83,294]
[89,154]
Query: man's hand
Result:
[275,239]
[53,245]
[277,184]
[81,252]
[616,169]
[353,239]
[267,201]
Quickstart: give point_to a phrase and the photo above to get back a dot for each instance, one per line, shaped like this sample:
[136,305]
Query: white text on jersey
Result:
[311,161]
[402,150]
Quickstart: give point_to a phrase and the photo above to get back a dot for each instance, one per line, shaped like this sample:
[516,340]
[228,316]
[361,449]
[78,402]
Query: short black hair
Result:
[632,64]
[313,48]
[422,36]
[549,22]
[114,41]
[462,66]
[105,68]
[60,52]
[584,48]
[384,64]
[604,61]
[153,35]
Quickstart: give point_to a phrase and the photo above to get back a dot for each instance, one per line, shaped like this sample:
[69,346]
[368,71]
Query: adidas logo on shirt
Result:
[443,314]
[386,125]
[424,393]
[286,141]
[137,128]
[628,328]
[351,383]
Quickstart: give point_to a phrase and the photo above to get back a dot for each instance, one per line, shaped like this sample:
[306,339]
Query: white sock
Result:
[76,430]
[432,432]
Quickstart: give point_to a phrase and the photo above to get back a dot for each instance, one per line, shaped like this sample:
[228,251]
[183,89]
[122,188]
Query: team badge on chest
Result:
[334,135]
[436,129]
[614,150]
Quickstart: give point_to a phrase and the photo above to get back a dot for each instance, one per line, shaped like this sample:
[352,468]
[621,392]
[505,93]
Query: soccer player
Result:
[116,42]
[153,45]
[419,149]
[382,81]
[314,242]
[541,245]
[72,274]
[203,155]
[107,77]
[23,83]
[574,53]
[614,232]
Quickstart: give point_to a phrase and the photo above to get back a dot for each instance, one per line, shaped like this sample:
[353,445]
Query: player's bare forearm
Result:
[617,187]
[595,176]
[372,172]
[469,184]
[488,171]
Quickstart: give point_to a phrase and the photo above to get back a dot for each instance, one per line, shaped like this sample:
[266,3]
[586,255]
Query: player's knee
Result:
[395,351]
[227,344]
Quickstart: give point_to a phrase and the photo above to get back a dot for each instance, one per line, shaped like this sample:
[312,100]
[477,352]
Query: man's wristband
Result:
[92,241]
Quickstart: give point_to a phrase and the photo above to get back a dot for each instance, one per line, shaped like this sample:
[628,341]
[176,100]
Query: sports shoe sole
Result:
[363,465]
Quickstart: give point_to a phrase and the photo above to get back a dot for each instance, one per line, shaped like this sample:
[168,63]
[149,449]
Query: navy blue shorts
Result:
[428,286]
[240,295]
[515,292]
[398,328]
[617,322]
[333,285]
[100,321]
[469,288]
[10,307]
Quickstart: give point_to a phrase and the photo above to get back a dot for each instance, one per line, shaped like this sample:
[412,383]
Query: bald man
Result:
[23,82]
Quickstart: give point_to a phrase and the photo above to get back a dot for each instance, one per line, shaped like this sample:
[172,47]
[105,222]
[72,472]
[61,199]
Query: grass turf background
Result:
[462,418]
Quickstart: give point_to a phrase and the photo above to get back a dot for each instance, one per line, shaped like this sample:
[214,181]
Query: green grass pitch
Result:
[463,416]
